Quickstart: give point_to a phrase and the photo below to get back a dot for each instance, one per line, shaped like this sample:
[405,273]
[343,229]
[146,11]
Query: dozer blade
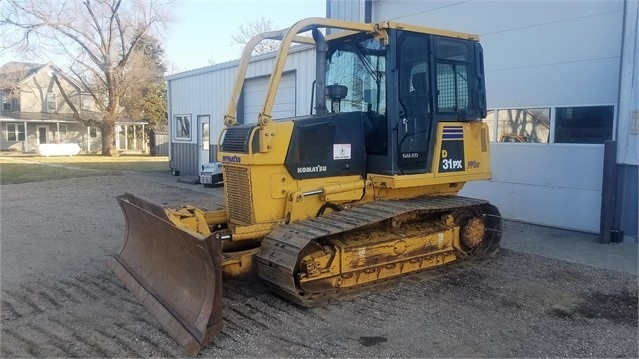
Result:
[176,274]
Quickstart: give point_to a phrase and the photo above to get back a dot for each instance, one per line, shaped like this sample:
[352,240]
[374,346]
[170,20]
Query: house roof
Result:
[61,117]
[43,117]
[12,73]
[160,131]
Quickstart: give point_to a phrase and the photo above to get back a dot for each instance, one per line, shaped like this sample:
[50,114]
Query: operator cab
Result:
[404,90]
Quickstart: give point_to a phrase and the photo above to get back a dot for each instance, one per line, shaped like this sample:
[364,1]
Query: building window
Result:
[62,129]
[52,103]
[524,125]
[490,122]
[15,132]
[93,132]
[6,102]
[183,127]
[205,136]
[591,124]
[87,104]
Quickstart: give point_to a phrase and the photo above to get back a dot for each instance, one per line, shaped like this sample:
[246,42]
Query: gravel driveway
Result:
[59,298]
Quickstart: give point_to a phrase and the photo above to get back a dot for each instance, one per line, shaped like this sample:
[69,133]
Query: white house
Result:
[34,113]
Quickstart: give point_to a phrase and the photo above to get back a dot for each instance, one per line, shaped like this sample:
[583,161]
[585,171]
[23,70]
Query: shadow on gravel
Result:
[618,308]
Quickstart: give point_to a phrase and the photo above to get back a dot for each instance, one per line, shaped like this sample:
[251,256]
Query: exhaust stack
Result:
[320,71]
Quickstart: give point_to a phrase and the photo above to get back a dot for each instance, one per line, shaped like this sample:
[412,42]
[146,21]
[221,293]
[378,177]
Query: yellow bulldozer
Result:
[359,192]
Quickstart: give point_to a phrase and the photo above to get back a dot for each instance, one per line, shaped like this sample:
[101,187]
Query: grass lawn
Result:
[23,169]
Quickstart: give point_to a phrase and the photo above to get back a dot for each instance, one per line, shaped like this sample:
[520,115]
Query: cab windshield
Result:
[360,65]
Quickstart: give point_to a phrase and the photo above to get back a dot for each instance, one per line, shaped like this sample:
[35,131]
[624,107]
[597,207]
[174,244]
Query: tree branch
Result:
[76,114]
[97,26]
[100,37]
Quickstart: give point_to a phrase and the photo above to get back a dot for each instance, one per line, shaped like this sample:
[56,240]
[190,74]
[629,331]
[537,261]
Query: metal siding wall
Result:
[182,155]
[160,144]
[350,10]
[204,93]
[536,53]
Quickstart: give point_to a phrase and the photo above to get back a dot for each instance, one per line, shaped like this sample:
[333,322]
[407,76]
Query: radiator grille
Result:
[236,139]
[238,194]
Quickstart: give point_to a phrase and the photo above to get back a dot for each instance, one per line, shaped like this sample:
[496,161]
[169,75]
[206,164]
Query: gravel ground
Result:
[59,298]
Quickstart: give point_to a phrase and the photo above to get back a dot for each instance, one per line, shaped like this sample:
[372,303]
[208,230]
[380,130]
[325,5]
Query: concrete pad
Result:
[571,246]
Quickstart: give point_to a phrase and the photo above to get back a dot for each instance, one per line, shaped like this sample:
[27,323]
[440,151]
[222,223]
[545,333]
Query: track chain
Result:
[281,249]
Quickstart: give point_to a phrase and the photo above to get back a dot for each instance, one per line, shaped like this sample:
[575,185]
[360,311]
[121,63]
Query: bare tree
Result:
[252,28]
[98,39]
[10,75]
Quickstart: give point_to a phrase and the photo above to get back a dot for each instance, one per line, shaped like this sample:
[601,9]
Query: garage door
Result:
[255,93]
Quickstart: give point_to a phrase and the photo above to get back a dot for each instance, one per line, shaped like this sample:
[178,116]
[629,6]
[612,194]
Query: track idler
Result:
[479,229]
[174,272]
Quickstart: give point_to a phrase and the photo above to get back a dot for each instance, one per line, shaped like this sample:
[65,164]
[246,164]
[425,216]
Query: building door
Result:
[42,134]
[204,139]
[255,92]
[207,161]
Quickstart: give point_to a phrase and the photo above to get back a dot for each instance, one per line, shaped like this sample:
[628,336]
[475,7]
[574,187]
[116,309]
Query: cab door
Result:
[415,103]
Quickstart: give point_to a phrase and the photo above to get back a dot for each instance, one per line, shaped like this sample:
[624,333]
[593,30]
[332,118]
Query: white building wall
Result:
[200,92]
[345,10]
[537,54]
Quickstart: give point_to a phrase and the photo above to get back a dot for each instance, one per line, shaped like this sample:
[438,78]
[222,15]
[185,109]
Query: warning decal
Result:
[342,151]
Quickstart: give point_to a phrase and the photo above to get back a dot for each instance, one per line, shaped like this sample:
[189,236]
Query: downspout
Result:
[619,82]
[320,71]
